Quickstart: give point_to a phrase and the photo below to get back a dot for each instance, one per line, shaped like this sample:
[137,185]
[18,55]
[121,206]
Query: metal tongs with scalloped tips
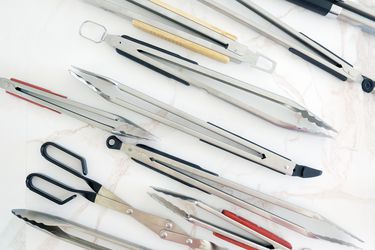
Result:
[65,230]
[296,42]
[264,104]
[293,217]
[169,23]
[205,131]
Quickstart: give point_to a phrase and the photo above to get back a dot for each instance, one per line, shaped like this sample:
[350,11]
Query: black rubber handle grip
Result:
[321,7]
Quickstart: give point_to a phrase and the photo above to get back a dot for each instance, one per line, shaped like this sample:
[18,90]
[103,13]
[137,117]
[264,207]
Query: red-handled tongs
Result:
[261,239]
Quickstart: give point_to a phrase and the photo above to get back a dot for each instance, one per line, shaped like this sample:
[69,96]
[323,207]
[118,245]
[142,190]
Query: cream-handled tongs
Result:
[167,22]
[205,131]
[70,231]
[252,236]
[296,42]
[293,217]
[271,107]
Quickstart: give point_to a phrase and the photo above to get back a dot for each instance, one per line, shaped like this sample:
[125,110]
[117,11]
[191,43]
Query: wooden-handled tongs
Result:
[174,25]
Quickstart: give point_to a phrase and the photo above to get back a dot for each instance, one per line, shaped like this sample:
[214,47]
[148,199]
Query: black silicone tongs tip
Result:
[306,172]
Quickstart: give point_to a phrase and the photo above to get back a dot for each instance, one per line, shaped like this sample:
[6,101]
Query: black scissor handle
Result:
[29,183]
[48,157]
[43,150]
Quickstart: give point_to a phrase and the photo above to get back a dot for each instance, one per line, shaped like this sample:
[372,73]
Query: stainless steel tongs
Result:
[296,42]
[165,21]
[271,107]
[112,123]
[293,217]
[64,230]
[205,131]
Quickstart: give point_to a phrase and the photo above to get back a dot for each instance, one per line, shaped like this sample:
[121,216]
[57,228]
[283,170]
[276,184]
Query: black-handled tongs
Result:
[297,42]
[264,104]
[205,131]
[348,11]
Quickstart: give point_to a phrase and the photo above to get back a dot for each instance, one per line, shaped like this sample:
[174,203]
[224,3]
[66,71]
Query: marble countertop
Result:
[40,41]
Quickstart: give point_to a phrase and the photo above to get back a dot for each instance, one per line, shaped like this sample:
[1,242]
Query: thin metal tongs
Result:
[293,217]
[205,131]
[297,42]
[110,122]
[271,107]
[172,24]
[63,229]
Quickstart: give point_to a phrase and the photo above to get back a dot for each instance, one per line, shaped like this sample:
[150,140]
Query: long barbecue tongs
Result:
[205,131]
[264,104]
[297,42]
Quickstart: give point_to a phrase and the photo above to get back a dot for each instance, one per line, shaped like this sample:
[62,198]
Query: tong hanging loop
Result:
[87,29]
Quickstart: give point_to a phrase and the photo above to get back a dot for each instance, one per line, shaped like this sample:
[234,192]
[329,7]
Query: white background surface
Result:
[39,41]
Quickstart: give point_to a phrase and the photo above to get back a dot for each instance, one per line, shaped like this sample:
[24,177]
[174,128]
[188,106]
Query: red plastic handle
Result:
[35,87]
[234,242]
[257,228]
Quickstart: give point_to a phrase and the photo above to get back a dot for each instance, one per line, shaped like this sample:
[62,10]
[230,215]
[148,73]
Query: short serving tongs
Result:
[293,217]
[296,42]
[254,237]
[205,131]
[266,105]
[63,229]
[45,98]
[167,22]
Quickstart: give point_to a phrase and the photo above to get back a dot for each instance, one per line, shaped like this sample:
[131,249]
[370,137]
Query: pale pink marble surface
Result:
[40,40]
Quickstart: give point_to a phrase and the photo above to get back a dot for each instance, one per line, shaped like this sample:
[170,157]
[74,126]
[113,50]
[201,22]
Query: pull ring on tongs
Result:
[97,33]
[101,31]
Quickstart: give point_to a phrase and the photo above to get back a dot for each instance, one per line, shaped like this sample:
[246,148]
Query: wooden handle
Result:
[194,19]
[181,41]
